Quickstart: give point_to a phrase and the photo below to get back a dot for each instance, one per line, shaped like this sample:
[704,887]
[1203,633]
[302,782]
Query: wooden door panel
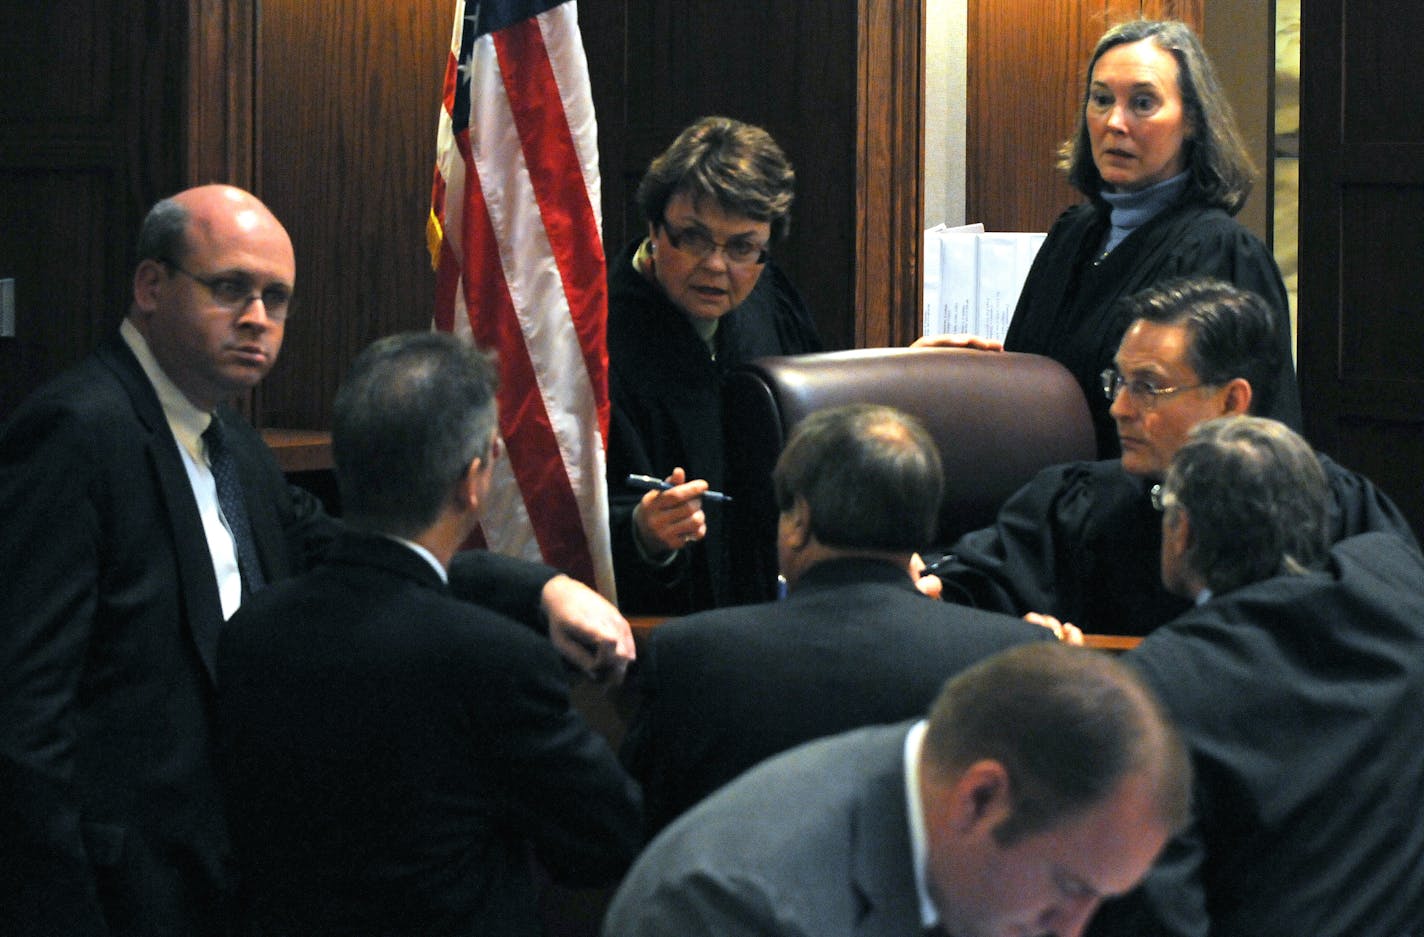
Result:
[1381,328]
[1361,314]
[89,138]
[348,93]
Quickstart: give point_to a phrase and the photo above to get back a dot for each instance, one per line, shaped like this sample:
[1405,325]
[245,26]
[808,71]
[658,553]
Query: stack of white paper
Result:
[973,278]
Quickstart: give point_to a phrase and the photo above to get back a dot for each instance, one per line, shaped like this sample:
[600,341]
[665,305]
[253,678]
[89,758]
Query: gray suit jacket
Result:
[814,841]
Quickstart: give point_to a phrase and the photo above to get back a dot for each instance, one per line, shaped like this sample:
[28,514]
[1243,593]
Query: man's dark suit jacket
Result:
[388,752]
[109,621]
[854,644]
[1302,700]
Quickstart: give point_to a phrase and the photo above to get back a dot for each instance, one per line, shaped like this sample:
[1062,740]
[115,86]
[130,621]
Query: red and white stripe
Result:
[520,269]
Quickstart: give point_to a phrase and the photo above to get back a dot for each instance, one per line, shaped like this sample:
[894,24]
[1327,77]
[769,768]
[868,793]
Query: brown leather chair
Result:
[998,419]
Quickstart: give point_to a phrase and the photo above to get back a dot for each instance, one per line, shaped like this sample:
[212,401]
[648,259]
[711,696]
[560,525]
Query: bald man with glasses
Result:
[1081,540]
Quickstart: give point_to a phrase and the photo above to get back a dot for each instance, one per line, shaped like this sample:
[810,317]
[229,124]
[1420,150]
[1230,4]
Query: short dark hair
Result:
[1221,171]
[411,415]
[164,232]
[737,165]
[870,475]
[1068,724]
[1256,500]
[1233,331]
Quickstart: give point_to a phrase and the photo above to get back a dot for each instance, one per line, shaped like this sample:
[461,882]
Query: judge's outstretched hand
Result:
[669,520]
[930,584]
[1065,631]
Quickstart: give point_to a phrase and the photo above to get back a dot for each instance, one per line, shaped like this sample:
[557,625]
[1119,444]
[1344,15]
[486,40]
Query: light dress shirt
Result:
[914,810]
[188,423]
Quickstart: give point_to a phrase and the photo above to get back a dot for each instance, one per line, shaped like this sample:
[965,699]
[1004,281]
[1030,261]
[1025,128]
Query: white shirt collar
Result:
[914,810]
[187,421]
[423,554]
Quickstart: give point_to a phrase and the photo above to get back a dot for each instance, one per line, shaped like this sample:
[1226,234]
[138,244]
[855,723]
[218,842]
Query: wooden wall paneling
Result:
[679,63]
[88,139]
[1361,319]
[1191,12]
[221,98]
[1023,88]
[826,116]
[153,70]
[786,65]
[54,244]
[347,99]
[889,172]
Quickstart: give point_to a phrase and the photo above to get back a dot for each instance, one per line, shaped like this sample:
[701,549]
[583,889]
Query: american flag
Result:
[514,236]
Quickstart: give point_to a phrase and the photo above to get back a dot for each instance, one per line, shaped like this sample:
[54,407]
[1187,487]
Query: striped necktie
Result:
[229,488]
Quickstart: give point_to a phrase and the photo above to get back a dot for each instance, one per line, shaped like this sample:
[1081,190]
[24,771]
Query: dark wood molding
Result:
[300,450]
[222,131]
[889,172]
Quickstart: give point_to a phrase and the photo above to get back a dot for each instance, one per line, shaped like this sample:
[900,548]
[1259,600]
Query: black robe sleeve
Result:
[1358,507]
[1299,699]
[1080,542]
[1022,562]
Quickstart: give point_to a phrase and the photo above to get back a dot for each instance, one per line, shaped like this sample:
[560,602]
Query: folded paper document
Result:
[973,278]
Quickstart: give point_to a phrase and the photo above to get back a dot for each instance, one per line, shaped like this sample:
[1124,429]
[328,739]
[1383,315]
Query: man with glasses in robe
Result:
[1080,541]
[1296,679]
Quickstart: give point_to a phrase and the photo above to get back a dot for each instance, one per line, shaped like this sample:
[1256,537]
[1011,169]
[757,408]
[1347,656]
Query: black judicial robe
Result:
[666,396]
[1082,542]
[1301,699]
[1066,308]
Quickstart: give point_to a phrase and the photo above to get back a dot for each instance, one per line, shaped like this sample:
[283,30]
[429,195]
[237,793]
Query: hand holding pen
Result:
[670,515]
[649,483]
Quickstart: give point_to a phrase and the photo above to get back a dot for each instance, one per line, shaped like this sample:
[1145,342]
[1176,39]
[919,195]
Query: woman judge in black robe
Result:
[689,302]
[1158,156]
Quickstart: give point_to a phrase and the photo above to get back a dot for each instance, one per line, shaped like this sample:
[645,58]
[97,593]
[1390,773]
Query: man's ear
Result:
[980,796]
[147,276]
[1237,401]
[797,523]
[1178,530]
[467,489]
